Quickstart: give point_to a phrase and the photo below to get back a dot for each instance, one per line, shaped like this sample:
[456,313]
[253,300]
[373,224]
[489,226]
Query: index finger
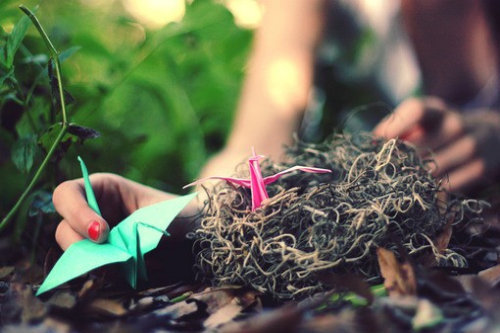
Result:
[70,202]
[405,116]
[412,118]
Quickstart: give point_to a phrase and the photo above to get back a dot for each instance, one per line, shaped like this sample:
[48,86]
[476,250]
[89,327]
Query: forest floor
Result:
[409,298]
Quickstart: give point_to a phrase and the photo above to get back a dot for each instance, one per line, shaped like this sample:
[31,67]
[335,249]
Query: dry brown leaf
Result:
[180,290]
[443,239]
[399,278]
[31,307]
[223,315]
[178,310]
[486,296]
[427,315]
[47,325]
[54,325]
[285,319]
[108,307]
[87,286]
[345,321]
[349,282]
[248,299]
[465,281]
[441,242]
[442,201]
[6,271]
[216,298]
[161,290]
[63,299]
[491,275]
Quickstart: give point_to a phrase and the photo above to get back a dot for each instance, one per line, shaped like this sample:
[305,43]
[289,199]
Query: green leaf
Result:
[46,140]
[49,136]
[38,203]
[41,204]
[13,97]
[68,53]
[7,76]
[23,153]
[14,40]
[22,218]
[43,59]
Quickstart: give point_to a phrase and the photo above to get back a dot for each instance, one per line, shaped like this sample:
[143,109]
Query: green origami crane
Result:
[127,242]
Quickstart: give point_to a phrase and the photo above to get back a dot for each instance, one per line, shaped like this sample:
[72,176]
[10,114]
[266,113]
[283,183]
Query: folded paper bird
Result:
[257,183]
[127,242]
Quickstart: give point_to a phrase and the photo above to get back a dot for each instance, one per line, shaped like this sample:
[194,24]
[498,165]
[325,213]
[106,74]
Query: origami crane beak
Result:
[255,157]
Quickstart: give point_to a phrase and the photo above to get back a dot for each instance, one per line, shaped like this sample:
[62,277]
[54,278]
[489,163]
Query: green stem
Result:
[64,126]
[35,178]
[53,54]
[38,26]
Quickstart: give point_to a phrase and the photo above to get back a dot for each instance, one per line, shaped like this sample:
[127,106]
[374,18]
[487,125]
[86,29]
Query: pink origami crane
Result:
[257,183]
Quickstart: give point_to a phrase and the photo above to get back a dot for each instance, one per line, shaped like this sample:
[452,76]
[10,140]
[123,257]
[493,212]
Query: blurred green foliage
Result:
[163,100]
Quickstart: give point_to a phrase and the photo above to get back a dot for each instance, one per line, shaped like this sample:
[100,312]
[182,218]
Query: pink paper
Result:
[257,183]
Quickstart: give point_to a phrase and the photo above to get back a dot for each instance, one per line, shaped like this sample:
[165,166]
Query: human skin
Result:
[457,56]
[462,146]
[276,89]
[277,83]
[118,197]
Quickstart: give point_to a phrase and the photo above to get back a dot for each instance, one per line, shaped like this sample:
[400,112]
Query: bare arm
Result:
[277,84]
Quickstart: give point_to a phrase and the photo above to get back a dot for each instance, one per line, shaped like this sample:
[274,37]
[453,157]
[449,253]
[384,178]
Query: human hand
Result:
[463,145]
[118,197]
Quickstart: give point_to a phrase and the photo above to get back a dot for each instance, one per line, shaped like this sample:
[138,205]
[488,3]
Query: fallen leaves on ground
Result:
[399,278]
[440,303]
[409,297]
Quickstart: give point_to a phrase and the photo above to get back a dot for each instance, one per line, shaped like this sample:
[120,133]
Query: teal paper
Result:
[89,192]
[127,243]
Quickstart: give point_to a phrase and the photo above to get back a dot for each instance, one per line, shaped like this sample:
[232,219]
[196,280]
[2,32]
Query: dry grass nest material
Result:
[379,194]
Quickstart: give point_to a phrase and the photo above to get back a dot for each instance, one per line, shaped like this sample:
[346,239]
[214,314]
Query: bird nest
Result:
[380,194]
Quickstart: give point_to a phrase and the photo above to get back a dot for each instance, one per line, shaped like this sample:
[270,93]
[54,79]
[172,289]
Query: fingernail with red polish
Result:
[94,231]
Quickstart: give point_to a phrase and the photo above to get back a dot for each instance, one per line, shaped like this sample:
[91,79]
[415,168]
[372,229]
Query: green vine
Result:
[54,57]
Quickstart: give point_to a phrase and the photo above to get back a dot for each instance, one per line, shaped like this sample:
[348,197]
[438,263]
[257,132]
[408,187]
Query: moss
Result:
[381,193]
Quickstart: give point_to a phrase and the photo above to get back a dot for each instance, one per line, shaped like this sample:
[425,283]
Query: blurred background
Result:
[158,79]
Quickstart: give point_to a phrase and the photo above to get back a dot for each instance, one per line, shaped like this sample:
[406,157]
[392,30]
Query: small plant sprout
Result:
[257,183]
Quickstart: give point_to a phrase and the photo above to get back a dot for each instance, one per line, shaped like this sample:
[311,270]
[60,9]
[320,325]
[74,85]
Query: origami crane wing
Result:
[257,183]
[275,177]
[127,243]
[80,258]
[238,181]
[141,232]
